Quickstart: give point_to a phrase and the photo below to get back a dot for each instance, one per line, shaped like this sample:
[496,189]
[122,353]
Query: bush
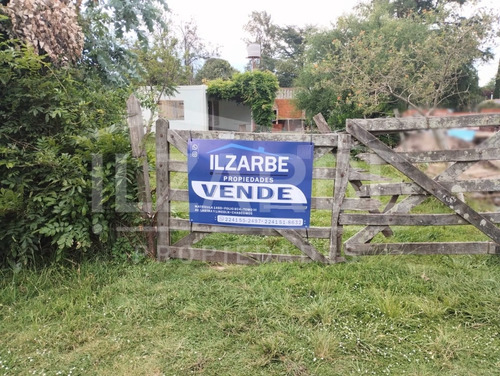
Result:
[57,124]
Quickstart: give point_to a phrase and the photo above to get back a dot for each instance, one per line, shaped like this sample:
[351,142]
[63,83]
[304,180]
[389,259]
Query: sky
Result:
[220,22]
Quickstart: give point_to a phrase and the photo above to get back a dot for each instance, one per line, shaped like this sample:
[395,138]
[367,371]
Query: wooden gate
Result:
[368,211]
[443,187]
[340,144]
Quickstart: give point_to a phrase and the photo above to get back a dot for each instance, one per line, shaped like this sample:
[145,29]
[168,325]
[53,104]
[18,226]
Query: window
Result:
[172,110]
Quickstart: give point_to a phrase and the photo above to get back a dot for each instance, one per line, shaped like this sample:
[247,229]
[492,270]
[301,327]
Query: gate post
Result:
[341,182]
[162,190]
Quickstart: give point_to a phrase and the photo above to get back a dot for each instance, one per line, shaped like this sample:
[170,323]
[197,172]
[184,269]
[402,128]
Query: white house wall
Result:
[195,108]
[231,116]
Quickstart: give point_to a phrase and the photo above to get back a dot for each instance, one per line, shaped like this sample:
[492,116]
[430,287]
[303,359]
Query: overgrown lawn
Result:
[387,315]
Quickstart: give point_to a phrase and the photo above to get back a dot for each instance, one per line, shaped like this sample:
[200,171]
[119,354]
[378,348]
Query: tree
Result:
[107,23]
[263,32]
[215,68]
[161,71]
[420,60]
[405,8]
[62,129]
[193,48]
[282,48]
[417,60]
[496,91]
[316,92]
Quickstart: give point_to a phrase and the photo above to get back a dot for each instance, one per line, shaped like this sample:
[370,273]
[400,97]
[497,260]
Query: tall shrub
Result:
[55,124]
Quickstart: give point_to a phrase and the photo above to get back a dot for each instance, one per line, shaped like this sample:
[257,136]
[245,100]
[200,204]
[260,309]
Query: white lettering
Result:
[249,192]
[256,163]
[229,165]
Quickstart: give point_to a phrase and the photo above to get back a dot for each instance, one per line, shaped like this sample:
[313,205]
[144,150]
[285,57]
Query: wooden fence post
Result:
[136,129]
[341,181]
[162,190]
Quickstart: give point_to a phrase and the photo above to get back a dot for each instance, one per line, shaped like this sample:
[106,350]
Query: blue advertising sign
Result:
[250,183]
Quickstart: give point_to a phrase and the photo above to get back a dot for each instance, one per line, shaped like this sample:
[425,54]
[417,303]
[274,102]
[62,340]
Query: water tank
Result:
[253,51]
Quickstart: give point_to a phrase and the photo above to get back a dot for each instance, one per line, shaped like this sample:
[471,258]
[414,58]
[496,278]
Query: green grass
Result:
[402,315]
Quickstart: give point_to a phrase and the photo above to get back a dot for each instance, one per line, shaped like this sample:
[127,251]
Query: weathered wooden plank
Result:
[297,240]
[177,140]
[391,203]
[225,257]
[190,239]
[184,224]
[475,248]
[410,219]
[210,255]
[354,174]
[177,166]
[321,123]
[273,257]
[323,128]
[457,186]
[319,140]
[326,203]
[323,173]
[341,182]
[357,204]
[451,173]
[162,189]
[136,131]
[430,186]
[435,156]
[430,122]
[179,195]
[135,125]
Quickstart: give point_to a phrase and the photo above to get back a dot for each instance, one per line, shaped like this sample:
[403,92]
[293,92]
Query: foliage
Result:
[193,49]
[317,97]
[106,23]
[488,104]
[161,71]
[418,60]
[282,47]
[213,69]
[496,90]
[257,89]
[51,27]
[57,124]
[92,33]
[161,66]
[379,59]
[405,8]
